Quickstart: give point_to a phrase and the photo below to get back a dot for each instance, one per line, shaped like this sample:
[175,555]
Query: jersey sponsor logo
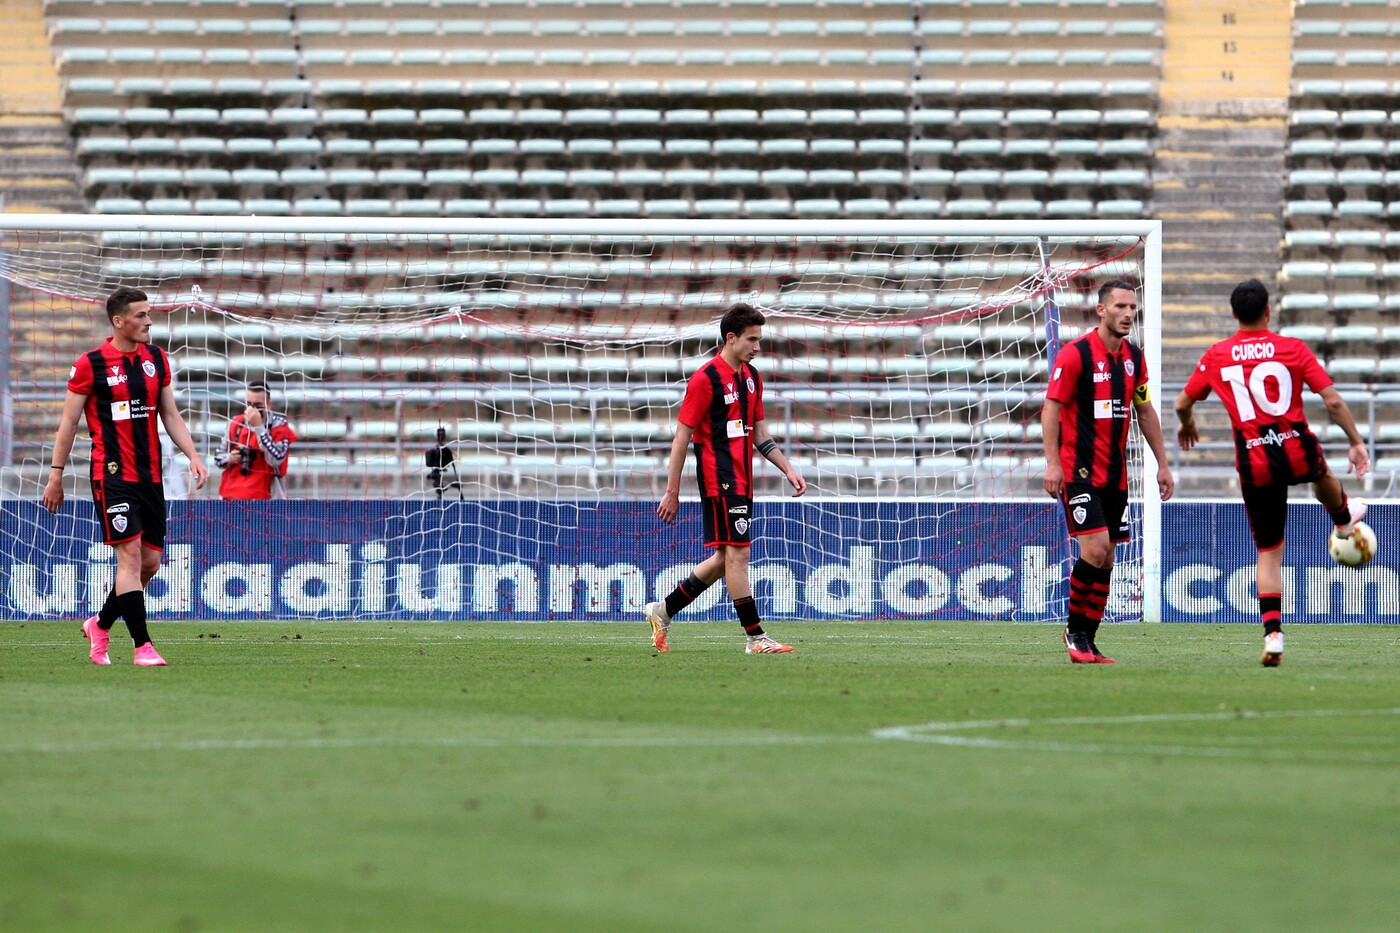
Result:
[741,526]
[119,523]
[121,411]
[1080,513]
[730,396]
[72,373]
[1106,409]
[1103,377]
[1242,352]
[1080,499]
[1271,439]
[149,368]
[1056,376]
[117,377]
[735,428]
[118,508]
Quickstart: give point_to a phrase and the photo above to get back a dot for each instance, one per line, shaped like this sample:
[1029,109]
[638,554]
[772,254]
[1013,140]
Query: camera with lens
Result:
[245,459]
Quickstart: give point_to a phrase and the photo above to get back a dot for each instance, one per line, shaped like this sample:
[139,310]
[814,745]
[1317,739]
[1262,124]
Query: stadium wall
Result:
[539,560]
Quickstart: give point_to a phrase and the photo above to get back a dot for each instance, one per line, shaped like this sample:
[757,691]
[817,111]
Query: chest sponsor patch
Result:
[735,428]
[121,411]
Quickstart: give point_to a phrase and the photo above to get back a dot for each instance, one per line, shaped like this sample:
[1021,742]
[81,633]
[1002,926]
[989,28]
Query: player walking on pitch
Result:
[1259,376]
[1096,381]
[121,387]
[723,415]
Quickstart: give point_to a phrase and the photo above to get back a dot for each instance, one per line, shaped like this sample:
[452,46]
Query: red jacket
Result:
[274,438]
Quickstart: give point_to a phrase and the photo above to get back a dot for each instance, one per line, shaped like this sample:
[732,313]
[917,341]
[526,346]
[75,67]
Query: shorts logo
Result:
[112,466]
[121,411]
[119,524]
[1080,513]
[741,526]
[1081,499]
[739,510]
[149,369]
[118,508]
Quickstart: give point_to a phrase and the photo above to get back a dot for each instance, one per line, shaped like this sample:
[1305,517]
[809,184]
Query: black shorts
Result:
[1089,509]
[1267,508]
[130,510]
[728,520]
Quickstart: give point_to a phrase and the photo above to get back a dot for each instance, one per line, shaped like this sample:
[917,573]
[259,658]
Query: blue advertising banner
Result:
[533,560]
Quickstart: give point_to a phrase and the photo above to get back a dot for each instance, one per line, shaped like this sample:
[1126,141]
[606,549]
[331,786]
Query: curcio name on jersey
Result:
[1242,352]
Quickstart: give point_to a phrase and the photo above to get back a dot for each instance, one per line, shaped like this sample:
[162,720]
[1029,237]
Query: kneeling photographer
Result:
[254,454]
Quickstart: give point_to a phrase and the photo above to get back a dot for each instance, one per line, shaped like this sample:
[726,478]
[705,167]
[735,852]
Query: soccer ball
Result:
[1356,548]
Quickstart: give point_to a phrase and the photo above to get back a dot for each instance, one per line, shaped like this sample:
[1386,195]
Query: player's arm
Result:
[1151,427]
[175,426]
[763,442]
[1050,434]
[1340,413]
[670,505]
[73,403]
[1186,434]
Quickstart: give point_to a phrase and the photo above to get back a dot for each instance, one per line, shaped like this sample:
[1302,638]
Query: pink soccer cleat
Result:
[99,640]
[147,656]
[763,644]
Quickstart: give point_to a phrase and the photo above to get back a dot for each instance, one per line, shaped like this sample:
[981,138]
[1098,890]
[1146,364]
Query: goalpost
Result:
[904,363]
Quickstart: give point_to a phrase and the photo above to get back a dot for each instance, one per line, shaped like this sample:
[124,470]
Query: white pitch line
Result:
[356,742]
[940,733]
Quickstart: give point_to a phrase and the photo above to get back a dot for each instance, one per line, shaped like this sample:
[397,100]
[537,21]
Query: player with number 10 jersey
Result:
[1259,376]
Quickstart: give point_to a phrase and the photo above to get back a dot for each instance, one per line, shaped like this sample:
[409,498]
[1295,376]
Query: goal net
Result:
[484,409]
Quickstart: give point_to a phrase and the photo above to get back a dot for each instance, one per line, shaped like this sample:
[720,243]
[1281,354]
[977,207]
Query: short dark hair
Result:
[739,319]
[123,298]
[260,387]
[1113,285]
[1249,301]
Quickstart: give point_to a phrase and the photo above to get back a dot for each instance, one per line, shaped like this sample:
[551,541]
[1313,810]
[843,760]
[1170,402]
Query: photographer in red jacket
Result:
[254,455]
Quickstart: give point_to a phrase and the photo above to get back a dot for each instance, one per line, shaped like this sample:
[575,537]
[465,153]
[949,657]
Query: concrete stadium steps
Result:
[1218,188]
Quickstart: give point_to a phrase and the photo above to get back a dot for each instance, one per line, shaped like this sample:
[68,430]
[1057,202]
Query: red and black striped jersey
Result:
[1259,377]
[123,398]
[722,407]
[1098,390]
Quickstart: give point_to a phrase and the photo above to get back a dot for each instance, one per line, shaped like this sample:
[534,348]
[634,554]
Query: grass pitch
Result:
[891,776]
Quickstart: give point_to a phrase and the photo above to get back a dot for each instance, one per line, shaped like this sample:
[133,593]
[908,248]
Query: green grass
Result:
[320,776]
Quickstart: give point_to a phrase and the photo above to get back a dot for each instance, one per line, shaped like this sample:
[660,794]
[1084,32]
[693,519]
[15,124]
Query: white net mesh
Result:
[897,367]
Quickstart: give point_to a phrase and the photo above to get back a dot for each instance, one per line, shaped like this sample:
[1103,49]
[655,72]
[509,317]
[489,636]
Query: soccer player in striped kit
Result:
[1259,376]
[122,386]
[1097,382]
[723,415]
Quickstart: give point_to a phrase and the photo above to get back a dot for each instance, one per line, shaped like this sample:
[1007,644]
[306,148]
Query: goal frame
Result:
[1150,320]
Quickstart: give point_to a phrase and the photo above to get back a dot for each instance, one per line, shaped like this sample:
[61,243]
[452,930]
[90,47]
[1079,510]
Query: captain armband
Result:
[767,446]
[1142,395]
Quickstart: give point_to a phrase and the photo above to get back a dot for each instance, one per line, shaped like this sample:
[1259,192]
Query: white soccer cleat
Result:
[1273,650]
[764,644]
[660,624]
[1358,512]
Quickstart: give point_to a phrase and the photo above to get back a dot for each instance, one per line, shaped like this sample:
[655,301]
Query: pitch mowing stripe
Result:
[942,733]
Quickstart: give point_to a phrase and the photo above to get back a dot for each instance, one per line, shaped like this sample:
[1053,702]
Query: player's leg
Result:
[1115,507]
[1267,510]
[151,548]
[1089,528]
[659,614]
[736,578]
[1344,512]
